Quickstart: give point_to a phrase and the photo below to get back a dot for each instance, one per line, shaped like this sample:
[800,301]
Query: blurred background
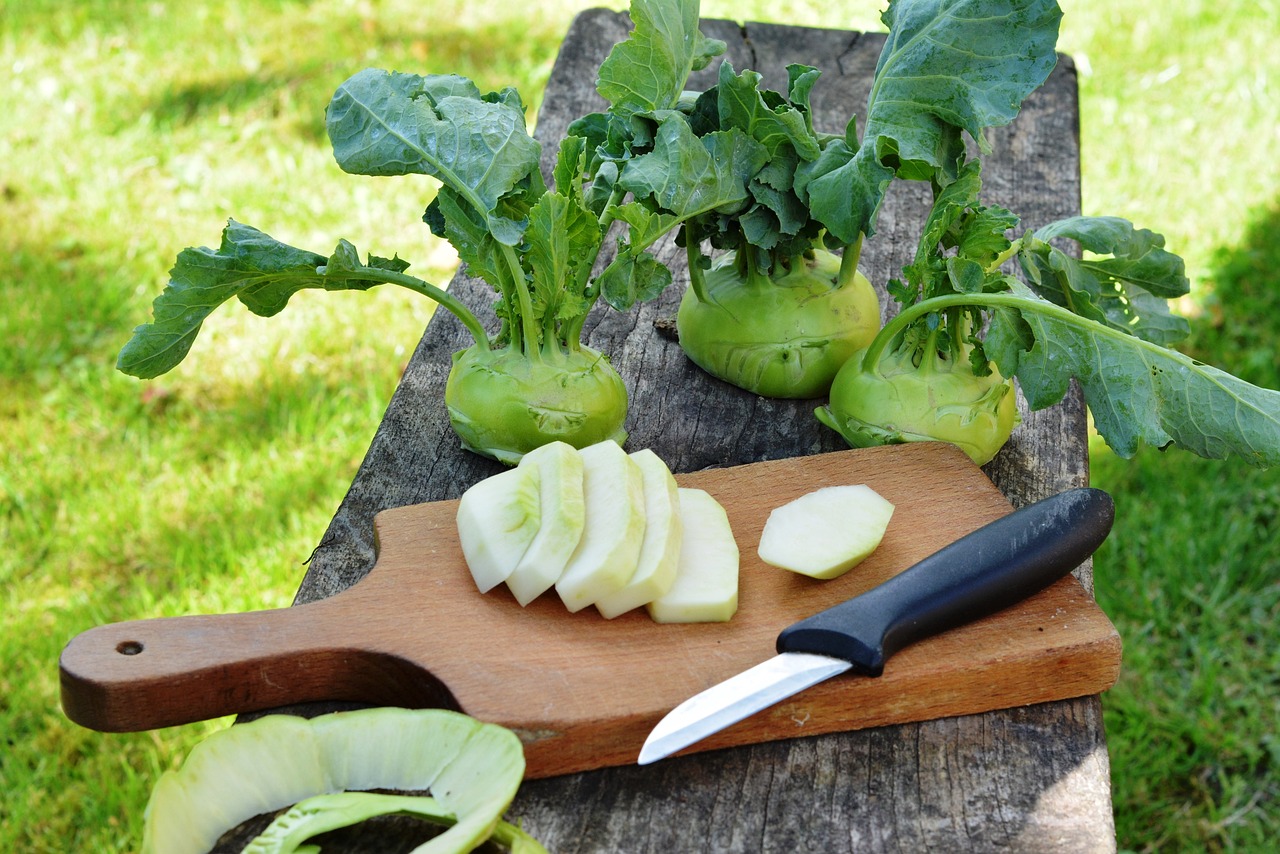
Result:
[130,129]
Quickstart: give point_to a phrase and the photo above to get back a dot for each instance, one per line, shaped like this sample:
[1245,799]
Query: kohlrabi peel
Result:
[289,831]
[471,770]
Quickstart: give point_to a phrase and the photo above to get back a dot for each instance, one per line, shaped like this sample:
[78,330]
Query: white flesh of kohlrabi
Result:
[660,550]
[563,516]
[606,557]
[498,519]
[472,769]
[825,533]
[706,584]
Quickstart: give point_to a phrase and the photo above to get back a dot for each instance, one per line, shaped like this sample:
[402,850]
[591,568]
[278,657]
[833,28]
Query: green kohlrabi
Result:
[531,383]
[776,313]
[1103,320]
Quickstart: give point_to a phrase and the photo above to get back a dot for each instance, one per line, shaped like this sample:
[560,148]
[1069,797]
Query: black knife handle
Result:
[984,572]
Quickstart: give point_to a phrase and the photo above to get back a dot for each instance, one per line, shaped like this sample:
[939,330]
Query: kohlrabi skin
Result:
[503,404]
[784,336]
[917,395]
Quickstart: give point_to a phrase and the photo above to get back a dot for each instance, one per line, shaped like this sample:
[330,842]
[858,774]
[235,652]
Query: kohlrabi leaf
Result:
[1139,391]
[648,71]
[563,239]
[1125,282]
[762,115]
[390,123]
[263,272]
[687,176]
[948,66]
[633,276]
[471,771]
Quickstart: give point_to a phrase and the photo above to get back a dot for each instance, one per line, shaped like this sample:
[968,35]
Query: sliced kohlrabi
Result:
[655,570]
[563,516]
[498,519]
[614,532]
[470,768]
[706,585]
[827,532]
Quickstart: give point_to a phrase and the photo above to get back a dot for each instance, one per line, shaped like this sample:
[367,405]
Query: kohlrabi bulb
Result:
[503,404]
[785,336]
[941,399]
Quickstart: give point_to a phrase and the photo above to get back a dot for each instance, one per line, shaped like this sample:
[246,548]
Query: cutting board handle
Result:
[147,674]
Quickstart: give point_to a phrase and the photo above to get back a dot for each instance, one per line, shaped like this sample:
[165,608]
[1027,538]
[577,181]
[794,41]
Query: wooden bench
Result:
[1025,779]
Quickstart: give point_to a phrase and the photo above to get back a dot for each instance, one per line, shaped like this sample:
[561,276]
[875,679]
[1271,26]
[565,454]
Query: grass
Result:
[132,129]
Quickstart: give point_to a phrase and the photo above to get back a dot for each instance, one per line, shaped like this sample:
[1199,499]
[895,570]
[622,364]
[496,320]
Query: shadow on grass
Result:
[1240,330]
[494,56]
[1191,578]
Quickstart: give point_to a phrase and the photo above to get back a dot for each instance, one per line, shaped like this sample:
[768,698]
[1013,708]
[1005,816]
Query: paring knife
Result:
[984,572]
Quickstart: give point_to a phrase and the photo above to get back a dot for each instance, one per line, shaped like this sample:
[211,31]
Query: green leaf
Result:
[1127,288]
[385,123]
[687,176]
[777,125]
[468,232]
[264,274]
[964,63]
[563,241]
[947,66]
[248,264]
[633,276]
[1139,391]
[648,71]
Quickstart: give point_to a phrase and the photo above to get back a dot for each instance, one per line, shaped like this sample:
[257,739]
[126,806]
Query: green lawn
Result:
[132,129]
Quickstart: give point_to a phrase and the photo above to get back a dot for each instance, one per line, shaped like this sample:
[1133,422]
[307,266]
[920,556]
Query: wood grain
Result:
[584,692]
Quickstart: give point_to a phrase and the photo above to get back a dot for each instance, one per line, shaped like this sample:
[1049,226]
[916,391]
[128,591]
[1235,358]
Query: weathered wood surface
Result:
[1028,779]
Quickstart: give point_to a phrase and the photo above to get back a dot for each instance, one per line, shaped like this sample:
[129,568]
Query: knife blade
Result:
[984,572]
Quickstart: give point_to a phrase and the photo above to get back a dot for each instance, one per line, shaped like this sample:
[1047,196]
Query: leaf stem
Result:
[849,260]
[447,301]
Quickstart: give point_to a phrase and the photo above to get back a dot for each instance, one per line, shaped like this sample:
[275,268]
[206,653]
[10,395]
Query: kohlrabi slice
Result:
[660,550]
[471,769]
[498,519]
[706,585]
[559,468]
[827,532]
[606,557]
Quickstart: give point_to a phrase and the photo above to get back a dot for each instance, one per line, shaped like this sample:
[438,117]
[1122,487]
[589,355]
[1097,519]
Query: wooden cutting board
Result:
[582,691]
